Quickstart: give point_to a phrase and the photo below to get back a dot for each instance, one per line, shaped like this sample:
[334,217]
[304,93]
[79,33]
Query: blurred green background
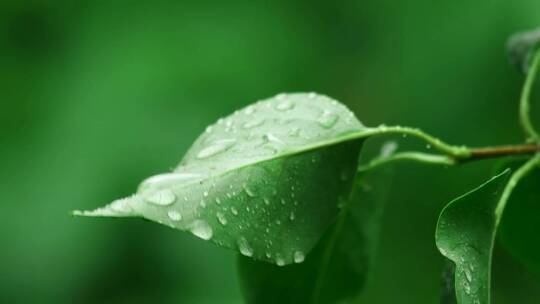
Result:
[97,95]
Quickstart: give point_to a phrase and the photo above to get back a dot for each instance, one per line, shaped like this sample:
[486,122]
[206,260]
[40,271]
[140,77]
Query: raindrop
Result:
[205,193]
[299,256]
[244,247]
[216,148]
[234,211]
[253,123]
[168,179]
[266,201]
[203,204]
[161,198]
[328,119]
[201,229]
[467,287]
[285,105]
[248,191]
[249,110]
[280,261]
[292,216]
[221,218]
[468,275]
[269,137]
[174,215]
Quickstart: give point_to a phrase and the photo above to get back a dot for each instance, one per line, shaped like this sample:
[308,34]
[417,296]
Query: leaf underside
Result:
[348,247]
[465,235]
[265,181]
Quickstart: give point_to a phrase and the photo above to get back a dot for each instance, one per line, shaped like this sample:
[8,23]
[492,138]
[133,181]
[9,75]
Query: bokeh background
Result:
[97,95]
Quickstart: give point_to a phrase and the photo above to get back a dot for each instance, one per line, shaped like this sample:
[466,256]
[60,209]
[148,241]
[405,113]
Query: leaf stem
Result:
[457,152]
[413,156]
[452,155]
[494,152]
[524,105]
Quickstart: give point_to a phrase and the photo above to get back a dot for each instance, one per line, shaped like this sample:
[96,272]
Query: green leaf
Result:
[338,266]
[521,47]
[520,225]
[265,181]
[465,235]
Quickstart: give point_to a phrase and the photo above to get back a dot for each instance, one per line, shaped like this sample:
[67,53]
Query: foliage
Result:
[277,181]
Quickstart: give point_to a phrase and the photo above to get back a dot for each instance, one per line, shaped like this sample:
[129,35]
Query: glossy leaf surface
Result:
[337,268]
[465,235]
[265,181]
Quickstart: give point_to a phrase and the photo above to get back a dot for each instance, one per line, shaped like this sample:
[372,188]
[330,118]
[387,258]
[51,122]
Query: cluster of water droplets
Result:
[271,126]
[287,121]
[231,207]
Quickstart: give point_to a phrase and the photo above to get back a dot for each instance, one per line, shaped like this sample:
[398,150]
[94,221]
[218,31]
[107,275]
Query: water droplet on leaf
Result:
[174,215]
[299,257]
[244,247]
[328,119]
[221,218]
[161,198]
[216,148]
[201,229]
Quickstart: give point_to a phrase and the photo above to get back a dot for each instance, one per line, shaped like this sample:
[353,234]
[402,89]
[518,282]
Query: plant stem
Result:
[524,105]
[413,156]
[494,152]
[457,152]
[452,155]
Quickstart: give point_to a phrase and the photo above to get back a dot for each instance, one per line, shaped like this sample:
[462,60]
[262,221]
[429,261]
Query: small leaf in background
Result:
[337,268]
[520,225]
[265,181]
[465,235]
[521,46]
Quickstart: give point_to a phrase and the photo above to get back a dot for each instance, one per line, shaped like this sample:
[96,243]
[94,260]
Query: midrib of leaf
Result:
[329,250]
[349,136]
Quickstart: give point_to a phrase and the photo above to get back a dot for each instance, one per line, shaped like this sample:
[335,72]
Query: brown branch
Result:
[492,152]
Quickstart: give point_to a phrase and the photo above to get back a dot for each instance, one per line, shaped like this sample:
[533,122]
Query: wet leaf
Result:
[337,268]
[465,235]
[265,181]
